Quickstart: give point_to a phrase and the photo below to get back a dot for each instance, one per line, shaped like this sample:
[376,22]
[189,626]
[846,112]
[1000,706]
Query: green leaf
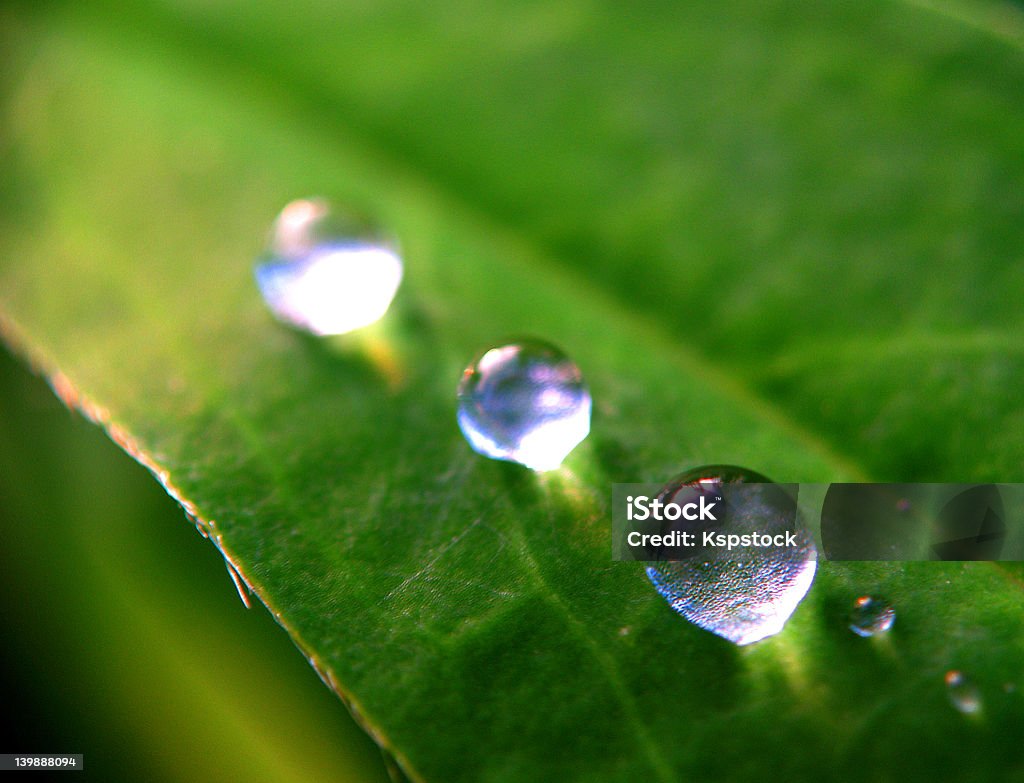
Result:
[778,235]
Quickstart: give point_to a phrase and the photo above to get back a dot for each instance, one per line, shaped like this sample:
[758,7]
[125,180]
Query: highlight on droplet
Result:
[524,402]
[325,275]
[871,616]
[963,693]
[749,597]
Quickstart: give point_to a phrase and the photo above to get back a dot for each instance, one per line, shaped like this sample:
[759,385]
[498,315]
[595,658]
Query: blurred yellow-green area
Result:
[123,637]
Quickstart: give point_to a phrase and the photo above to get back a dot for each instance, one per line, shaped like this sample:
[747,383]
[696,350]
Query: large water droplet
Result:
[524,402]
[326,274]
[750,595]
[963,694]
[870,616]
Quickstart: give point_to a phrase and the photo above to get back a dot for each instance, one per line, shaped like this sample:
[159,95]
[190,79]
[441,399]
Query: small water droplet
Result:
[963,694]
[751,597]
[870,616]
[1009,687]
[524,402]
[326,274]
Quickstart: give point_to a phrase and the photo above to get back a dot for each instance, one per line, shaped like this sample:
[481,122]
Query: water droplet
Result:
[524,402]
[870,616]
[963,693]
[326,274]
[751,595]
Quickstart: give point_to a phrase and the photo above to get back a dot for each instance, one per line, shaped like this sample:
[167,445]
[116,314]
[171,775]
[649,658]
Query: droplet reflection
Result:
[871,616]
[322,276]
[524,402]
[750,595]
[963,694]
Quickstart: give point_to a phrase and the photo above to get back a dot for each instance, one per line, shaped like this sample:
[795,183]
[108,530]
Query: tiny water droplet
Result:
[963,694]
[870,616]
[749,597]
[524,402]
[325,274]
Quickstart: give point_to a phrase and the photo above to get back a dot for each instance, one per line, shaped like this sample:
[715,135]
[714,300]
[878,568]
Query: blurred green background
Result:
[124,638]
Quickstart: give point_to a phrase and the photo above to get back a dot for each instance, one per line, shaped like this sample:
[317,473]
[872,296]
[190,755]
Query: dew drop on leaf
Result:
[749,595]
[326,274]
[524,402]
[871,616]
[963,694]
